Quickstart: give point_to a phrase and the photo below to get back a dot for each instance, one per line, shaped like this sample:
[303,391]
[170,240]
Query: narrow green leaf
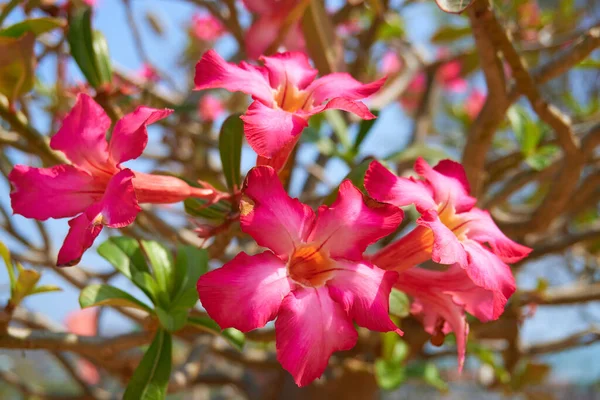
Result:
[162,265]
[322,44]
[429,373]
[37,26]
[148,285]
[151,377]
[449,33]
[453,6]
[190,264]
[233,336]
[106,295]
[230,148]
[25,285]
[5,253]
[215,212]
[45,289]
[172,320]
[356,176]
[399,303]
[542,157]
[80,40]
[17,65]
[125,254]
[363,130]
[340,129]
[102,57]
[389,375]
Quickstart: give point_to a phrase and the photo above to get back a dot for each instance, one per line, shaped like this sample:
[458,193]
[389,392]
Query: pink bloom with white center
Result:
[390,63]
[85,323]
[474,103]
[210,108]
[450,230]
[207,27]
[95,189]
[314,279]
[286,94]
[271,16]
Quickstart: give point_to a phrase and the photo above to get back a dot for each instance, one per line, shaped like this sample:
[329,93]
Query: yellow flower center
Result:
[454,222]
[310,266]
[289,98]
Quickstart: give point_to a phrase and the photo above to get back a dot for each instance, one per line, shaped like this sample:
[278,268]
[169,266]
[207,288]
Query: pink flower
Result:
[474,103]
[95,187]
[207,27]
[210,108]
[314,280]
[272,16]
[148,73]
[390,63]
[440,299]
[450,230]
[412,95]
[84,323]
[285,95]
[450,77]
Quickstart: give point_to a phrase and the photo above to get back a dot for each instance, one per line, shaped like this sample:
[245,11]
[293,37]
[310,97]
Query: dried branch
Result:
[573,294]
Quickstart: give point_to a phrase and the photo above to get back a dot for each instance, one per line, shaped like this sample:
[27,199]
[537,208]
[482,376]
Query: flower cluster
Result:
[314,279]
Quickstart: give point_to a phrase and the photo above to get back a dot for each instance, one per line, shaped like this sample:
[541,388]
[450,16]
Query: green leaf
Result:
[37,26]
[230,148]
[389,375]
[124,253]
[46,289]
[206,324]
[162,265]
[148,285]
[25,285]
[356,176]
[151,377]
[450,33]
[542,157]
[5,253]
[81,41]
[363,130]
[453,6]
[102,57]
[215,212]
[527,132]
[106,295]
[190,264]
[322,44]
[392,28]
[340,129]
[399,303]
[172,320]
[17,65]
[429,373]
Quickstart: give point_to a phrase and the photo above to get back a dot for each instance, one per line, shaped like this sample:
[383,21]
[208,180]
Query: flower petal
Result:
[261,34]
[449,183]
[212,71]
[482,228]
[273,218]
[309,329]
[289,68]
[269,130]
[341,103]
[81,236]
[57,192]
[341,84]
[246,292]
[353,222]
[447,249]
[119,205]
[384,186]
[490,272]
[280,159]
[129,137]
[82,136]
[363,290]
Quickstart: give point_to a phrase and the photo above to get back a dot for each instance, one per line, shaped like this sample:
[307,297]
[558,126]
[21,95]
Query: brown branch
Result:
[584,338]
[572,294]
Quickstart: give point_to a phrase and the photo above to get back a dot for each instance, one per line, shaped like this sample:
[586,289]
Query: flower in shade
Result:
[286,94]
[210,108]
[95,188]
[207,27]
[450,230]
[271,18]
[85,323]
[314,279]
[474,103]
[390,63]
